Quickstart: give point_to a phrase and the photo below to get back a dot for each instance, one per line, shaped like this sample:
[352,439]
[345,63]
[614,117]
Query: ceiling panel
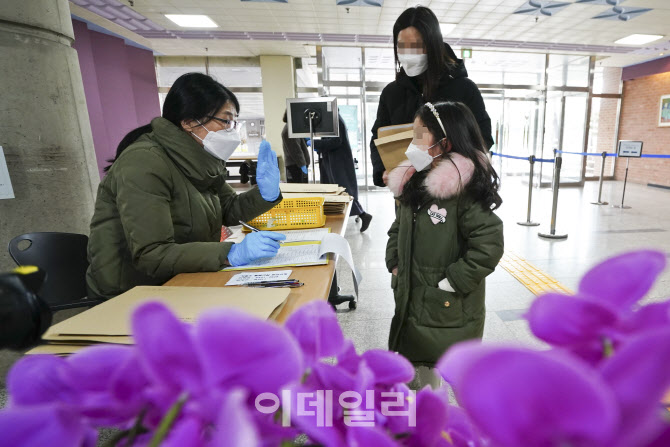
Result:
[476,19]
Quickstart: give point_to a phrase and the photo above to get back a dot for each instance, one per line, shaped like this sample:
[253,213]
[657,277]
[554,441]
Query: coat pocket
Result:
[394,281]
[441,309]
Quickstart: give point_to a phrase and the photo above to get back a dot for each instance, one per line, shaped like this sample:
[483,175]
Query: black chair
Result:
[64,259]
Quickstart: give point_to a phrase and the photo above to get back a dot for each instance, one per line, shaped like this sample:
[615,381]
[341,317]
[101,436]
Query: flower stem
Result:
[168,421]
[137,429]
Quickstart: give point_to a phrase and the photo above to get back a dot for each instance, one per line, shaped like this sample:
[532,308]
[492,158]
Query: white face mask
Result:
[221,144]
[419,158]
[414,64]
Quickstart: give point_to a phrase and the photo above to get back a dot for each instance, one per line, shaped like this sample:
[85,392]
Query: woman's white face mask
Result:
[420,158]
[220,144]
[414,64]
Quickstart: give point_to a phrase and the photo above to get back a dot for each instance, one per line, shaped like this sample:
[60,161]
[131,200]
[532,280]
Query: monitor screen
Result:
[324,112]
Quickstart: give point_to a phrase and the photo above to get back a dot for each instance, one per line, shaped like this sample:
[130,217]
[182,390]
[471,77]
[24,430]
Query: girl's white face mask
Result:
[414,64]
[420,158]
[221,144]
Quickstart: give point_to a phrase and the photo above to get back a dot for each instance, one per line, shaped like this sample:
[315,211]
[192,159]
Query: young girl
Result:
[445,239]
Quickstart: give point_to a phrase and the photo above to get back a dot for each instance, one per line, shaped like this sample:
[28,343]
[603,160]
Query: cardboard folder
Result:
[112,318]
[392,142]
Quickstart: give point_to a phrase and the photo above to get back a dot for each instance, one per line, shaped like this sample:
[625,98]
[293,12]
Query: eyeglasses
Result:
[228,125]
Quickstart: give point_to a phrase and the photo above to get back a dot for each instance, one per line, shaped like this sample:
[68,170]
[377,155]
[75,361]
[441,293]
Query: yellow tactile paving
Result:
[530,276]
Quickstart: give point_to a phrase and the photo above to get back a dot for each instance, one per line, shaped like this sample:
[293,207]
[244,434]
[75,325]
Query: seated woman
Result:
[160,208]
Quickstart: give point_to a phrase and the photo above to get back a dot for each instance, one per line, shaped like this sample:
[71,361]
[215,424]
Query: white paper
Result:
[6,190]
[316,234]
[334,243]
[288,255]
[254,277]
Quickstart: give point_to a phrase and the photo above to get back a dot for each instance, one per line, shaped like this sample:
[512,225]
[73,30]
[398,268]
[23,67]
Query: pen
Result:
[291,285]
[266,283]
[249,227]
[254,229]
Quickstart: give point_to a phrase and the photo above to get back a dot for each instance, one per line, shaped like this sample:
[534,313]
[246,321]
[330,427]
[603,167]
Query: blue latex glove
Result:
[267,172]
[304,169]
[308,141]
[262,244]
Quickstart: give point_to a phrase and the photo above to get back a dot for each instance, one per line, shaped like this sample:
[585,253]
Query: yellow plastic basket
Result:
[292,214]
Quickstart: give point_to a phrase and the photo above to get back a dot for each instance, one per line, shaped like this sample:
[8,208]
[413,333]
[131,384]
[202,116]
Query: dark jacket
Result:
[448,235]
[159,212]
[336,162]
[401,99]
[296,152]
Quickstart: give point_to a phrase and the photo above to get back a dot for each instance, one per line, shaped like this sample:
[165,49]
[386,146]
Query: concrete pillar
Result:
[278,75]
[44,125]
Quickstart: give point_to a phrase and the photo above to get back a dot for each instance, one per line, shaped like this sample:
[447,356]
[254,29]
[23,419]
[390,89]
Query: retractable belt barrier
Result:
[558,161]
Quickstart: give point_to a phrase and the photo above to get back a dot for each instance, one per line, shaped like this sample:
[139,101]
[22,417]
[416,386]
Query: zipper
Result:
[409,285]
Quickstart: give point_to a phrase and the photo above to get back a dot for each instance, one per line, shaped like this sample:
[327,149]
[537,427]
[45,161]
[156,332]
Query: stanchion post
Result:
[554,205]
[531,174]
[311,142]
[600,182]
[553,173]
[623,195]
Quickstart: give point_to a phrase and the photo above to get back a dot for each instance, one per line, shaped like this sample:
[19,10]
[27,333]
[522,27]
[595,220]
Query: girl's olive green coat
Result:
[449,235]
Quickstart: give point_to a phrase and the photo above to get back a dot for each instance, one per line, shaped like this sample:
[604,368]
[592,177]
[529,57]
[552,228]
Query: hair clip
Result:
[437,116]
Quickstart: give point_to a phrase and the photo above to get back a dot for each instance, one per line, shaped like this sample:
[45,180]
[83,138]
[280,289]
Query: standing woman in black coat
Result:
[427,70]
[336,165]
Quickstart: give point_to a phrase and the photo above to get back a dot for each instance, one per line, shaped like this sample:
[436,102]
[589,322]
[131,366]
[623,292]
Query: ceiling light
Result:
[447,28]
[638,39]
[192,21]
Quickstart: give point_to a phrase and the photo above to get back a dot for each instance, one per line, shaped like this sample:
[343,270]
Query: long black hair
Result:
[193,96]
[466,139]
[439,59]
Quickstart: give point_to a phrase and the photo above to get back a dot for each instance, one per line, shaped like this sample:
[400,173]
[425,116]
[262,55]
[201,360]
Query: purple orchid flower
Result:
[436,424]
[78,392]
[518,396]
[316,329]
[602,314]
[45,424]
[368,375]
[638,375]
[225,350]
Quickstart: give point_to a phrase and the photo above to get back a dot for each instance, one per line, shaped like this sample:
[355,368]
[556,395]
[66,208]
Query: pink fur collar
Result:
[444,181]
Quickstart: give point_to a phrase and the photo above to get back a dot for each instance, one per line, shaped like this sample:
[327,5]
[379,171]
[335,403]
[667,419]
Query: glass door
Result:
[379,71]
[520,133]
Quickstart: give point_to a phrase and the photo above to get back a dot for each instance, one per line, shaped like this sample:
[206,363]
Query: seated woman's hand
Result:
[267,172]
[263,244]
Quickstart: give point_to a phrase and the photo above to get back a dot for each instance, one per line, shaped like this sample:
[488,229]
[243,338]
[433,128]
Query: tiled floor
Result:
[594,233]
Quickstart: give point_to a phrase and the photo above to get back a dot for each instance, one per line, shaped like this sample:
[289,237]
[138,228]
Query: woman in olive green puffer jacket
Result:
[445,239]
[160,209]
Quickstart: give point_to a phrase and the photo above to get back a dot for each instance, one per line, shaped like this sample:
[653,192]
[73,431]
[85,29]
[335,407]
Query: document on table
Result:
[290,254]
[305,235]
[253,277]
[336,244]
[308,253]
[113,316]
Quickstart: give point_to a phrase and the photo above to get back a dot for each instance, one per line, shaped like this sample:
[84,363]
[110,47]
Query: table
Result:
[317,278]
